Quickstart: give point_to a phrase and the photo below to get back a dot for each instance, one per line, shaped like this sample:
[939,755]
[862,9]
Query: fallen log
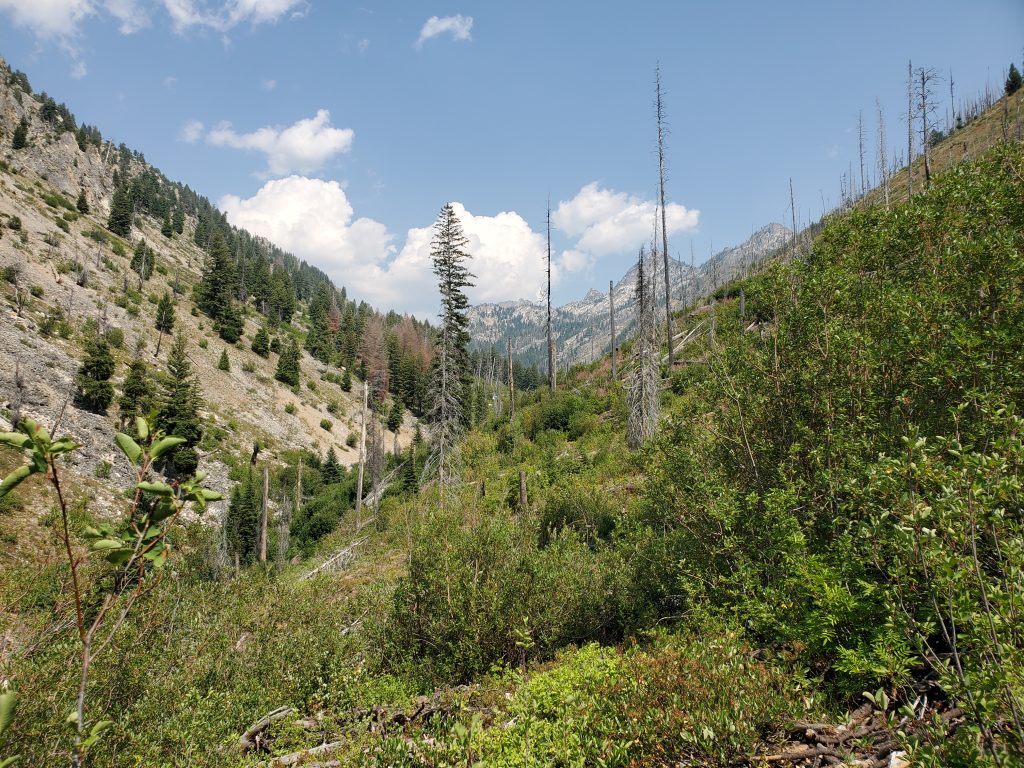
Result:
[294,758]
[251,738]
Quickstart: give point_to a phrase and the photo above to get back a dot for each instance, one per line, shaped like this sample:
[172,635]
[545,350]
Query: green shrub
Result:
[36,290]
[289,408]
[326,424]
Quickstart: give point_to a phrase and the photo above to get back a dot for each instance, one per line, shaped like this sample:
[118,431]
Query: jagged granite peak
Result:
[581,327]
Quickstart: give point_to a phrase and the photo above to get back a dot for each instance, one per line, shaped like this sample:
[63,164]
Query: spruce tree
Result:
[142,261]
[1013,80]
[94,390]
[288,364]
[331,471]
[275,345]
[20,138]
[215,291]
[450,383]
[179,410]
[395,414]
[242,520]
[122,212]
[346,381]
[136,393]
[82,204]
[164,318]
[261,342]
[178,221]
[167,230]
[224,364]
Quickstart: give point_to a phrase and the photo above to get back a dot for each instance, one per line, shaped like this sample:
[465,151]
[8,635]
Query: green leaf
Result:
[72,717]
[161,512]
[119,556]
[7,703]
[141,427]
[15,439]
[63,445]
[159,489]
[108,544]
[163,445]
[7,762]
[13,479]
[211,495]
[129,447]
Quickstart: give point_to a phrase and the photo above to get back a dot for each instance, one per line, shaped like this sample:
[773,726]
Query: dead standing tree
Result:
[883,162]
[925,79]
[552,375]
[662,131]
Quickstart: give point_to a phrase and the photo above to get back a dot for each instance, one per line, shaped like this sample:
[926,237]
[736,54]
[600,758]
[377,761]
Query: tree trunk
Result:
[611,315]
[511,385]
[264,513]
[664,227]
[552,375]
[522,490]
[362,455]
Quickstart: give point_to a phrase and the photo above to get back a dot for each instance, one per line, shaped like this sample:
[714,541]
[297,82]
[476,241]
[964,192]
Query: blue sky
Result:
[340,129]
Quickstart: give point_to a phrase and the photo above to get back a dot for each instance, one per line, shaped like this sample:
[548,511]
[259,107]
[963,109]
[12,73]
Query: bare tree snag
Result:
[264,512]
[511,384]
[552,375]
[611,314]
[522,490]
[910,130]
[362,454]
[662,130]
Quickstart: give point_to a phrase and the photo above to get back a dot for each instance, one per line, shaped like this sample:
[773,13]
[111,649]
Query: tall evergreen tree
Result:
[94,390]
[224,364]
[242,521]
[288,363]
[395,414]
[178,221]
[1013,80]
[136,393]
[167,229]
[450,384]
[142,261]
[215,291]
[19,140]
[179,409]
[331,471]
[82,204]
[122,211]
[261,342]
[164,318]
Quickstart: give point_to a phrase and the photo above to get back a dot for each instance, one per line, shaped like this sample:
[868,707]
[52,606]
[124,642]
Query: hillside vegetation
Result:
[831,506]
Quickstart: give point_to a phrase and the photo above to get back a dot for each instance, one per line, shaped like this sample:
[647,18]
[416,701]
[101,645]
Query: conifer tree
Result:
[642,396]
[167,229]
[224,364]
[346,381]
[122,212]
[215,291]
[178,221]
[136,393]
[288,364]
[450,384]
[94,390]
[164,319]
[261,342]
[395,414]
[1013,80]
[82,204]
[331,471]
[243,518]
[142,261]
[275,345]
[19,140]
[179,410]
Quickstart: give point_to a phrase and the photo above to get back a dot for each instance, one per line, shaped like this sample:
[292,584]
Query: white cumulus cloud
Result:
[224,16]
[49,18]
[191,132]
[459,27]
[606,222]
[304,147]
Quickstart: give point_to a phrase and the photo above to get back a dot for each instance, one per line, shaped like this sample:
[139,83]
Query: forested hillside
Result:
[801,545]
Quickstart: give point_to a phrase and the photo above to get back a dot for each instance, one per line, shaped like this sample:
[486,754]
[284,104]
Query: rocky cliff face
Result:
[581,328]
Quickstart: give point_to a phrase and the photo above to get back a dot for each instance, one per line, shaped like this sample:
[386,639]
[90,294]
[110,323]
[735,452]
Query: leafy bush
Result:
[326,424]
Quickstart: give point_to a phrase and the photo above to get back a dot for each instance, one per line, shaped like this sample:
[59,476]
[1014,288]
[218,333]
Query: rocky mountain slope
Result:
[62,269]
[581,328]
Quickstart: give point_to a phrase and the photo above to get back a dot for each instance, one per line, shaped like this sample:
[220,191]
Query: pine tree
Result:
[642,396]
[288,364]
[142,261]
[136,393]
[242,520]
[215,291]
[178,221]
[224,364]
[275,345]
[82,204]
[1013,80]
[167,229]
[20,138]
[122,212]
[261,342]
[346,381]
[331,471]
[450,383]
[94,390]
[395,414]
[179,409]
[164,319]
